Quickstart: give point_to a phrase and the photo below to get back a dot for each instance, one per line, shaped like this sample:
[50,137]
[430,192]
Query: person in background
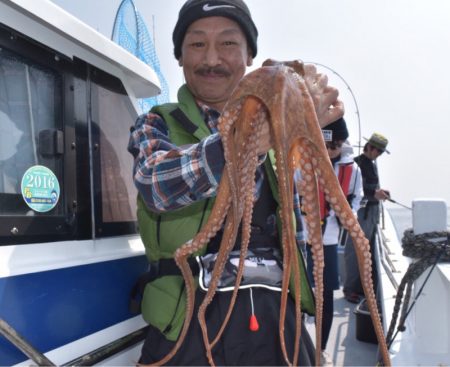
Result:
[368,215]
[350,179]
[177,169]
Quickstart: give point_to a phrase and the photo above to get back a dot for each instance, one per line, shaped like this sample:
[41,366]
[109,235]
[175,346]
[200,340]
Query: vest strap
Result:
[344,177]
[165,267]
[184,121]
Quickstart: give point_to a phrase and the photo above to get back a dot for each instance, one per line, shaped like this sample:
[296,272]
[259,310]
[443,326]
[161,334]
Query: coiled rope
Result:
[429,249]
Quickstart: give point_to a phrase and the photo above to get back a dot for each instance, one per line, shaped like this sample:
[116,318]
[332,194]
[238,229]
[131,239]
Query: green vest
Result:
[164,299]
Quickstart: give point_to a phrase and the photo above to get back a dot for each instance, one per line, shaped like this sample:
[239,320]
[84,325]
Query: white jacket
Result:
[332,228]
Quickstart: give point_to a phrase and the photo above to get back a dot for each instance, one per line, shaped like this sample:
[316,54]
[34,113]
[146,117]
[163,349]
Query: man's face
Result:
[214,57]
[334,148]
[374,153]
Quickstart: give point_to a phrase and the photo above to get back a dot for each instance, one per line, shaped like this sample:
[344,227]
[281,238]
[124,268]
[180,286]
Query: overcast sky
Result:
[393,54]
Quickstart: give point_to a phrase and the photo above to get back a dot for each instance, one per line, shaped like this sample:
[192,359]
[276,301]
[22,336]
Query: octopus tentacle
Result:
[340,205]
[278,103]
[312,208]
[279,94]
[227,244]
[182,254]
[310,194]
[296,263]
[247,215]
[212,226]
[290,261]
[242,210]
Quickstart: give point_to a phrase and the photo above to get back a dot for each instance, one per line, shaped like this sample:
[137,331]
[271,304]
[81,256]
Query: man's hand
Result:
[325,98]
[328,107]
[382,194]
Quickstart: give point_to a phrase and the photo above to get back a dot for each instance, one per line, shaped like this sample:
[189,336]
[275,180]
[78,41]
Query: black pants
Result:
[327,316]
[238,345]
[368,218]
[330,284]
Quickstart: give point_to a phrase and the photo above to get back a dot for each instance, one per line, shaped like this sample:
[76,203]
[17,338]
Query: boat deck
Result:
[343,347]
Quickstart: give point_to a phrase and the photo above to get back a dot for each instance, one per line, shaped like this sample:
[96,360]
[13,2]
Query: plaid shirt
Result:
[169,177]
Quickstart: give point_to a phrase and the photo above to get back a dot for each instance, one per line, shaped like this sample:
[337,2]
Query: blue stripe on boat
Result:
[53,308]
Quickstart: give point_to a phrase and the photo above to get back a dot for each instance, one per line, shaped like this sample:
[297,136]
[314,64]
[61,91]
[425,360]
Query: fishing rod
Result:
[351,93]
[396,202]
[404,206]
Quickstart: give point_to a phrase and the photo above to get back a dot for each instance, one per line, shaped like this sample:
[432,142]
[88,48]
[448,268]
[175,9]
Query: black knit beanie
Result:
[193,10]
[339,130]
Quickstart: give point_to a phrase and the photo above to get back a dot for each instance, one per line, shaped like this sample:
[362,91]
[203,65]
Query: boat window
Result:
[30,136]
[115,193]
[65,172]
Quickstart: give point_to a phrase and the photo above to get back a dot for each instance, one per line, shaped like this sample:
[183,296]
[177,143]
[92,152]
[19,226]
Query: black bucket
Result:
[365,331]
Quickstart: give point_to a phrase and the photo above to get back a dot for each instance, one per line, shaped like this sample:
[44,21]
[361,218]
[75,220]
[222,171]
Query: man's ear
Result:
[249,58]
[180,62]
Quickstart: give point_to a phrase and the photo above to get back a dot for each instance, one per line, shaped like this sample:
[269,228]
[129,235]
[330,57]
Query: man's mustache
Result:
[216,70]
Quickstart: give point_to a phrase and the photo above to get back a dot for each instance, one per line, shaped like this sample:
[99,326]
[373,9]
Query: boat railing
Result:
[384,251]
[415,299]
[24,346]
[98,355]
[88,359]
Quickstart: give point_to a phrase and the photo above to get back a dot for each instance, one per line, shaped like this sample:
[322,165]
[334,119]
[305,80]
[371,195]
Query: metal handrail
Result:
[87,359]
[25,347]
[108,350]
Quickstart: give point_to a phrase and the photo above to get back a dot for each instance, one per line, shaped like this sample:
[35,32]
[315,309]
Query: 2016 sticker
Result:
[40,188]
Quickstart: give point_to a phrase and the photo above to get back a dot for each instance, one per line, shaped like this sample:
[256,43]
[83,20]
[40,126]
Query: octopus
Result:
[275,94]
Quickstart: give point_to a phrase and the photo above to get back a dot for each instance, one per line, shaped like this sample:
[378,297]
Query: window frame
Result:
[82,216]
[17,229]
[103,228]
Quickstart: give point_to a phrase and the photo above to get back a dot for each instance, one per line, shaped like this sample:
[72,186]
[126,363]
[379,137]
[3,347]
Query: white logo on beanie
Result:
[208,7]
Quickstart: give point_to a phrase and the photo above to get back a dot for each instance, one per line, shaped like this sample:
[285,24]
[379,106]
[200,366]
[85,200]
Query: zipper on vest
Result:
[203,215]
[158,230]
[169,325]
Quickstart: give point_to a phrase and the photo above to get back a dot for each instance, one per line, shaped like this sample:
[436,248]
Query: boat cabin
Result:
[69,249]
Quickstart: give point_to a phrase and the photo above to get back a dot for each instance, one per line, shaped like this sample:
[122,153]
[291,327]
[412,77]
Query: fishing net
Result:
[131,33]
